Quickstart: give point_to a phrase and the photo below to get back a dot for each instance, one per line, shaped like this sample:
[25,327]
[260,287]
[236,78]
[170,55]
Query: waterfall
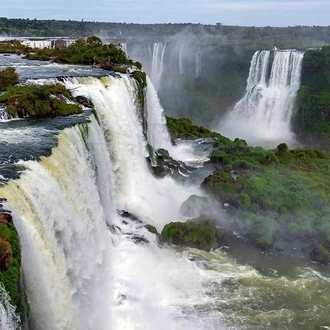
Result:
[123,46]
[82,268]
[63,233]
[198,63]
[180,59]
[157,53]
[4,115]
[158,135]
[38,43]
[8,319]
[263,115]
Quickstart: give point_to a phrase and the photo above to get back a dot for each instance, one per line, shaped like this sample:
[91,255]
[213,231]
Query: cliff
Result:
[311,119]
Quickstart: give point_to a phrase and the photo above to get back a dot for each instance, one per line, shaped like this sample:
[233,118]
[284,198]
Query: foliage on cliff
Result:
[269,195]
[10,258]
[311,120]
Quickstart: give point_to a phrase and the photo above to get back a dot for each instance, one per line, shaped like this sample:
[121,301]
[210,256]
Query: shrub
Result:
[8,77]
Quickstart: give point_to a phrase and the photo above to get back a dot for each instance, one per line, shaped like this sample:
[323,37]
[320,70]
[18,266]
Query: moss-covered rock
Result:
[163,164]
[321,253]
[267,195]
[225,188]
[201,233]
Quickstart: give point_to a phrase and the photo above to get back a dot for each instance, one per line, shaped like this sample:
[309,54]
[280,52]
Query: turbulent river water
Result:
[87,266]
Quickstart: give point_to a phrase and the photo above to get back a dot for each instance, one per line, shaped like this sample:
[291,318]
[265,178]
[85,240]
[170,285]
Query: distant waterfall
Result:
[158,135]
[263,115]
[180,59]
[198,63]
[124,47]
[157,52]
[47,43]
[39,43]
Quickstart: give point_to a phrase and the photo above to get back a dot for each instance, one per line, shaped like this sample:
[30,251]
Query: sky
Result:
[228,12]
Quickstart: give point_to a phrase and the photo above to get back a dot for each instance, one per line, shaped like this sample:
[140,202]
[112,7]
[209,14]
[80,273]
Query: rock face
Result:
[84,101]
[196,205]
[311,119]
[6,251]
[201,233]
[166,165]
[321,253]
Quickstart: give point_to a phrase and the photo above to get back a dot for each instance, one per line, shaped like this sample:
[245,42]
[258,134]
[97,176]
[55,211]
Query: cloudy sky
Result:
[228,12]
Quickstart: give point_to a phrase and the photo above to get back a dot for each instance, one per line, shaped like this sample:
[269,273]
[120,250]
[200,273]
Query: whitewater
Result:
[89,262]
[75,248]
[263,115]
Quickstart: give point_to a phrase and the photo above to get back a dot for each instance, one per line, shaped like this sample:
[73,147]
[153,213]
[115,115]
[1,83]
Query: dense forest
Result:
[295,36]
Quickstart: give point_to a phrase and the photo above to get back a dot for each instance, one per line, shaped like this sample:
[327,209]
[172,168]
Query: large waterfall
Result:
[82,265]
[263,115]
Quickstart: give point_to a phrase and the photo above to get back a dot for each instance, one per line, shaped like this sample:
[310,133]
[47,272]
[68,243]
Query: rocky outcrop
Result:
[201,233]
[321,253]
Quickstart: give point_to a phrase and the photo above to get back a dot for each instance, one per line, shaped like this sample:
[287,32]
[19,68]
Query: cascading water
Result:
[157,52]
[123,46]
[157,132]
[180,59]
[87,266]
[38,43]
[77,273]
[263,115]
[65,245]
[8,319]
[198,63]
[45,43]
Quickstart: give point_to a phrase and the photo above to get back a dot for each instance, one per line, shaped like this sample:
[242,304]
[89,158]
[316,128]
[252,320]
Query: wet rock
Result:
[5,218]
[321,253]
[138,239]
[84,101]
[128,215]
[201,233]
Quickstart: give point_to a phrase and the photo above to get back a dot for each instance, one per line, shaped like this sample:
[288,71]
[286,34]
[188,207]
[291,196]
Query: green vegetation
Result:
[90,51]
[33,100]
[311,120]
[8,78]
[270,195]
[200,233]
[283,37]
[10,259]
[13,47]
[86,52]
